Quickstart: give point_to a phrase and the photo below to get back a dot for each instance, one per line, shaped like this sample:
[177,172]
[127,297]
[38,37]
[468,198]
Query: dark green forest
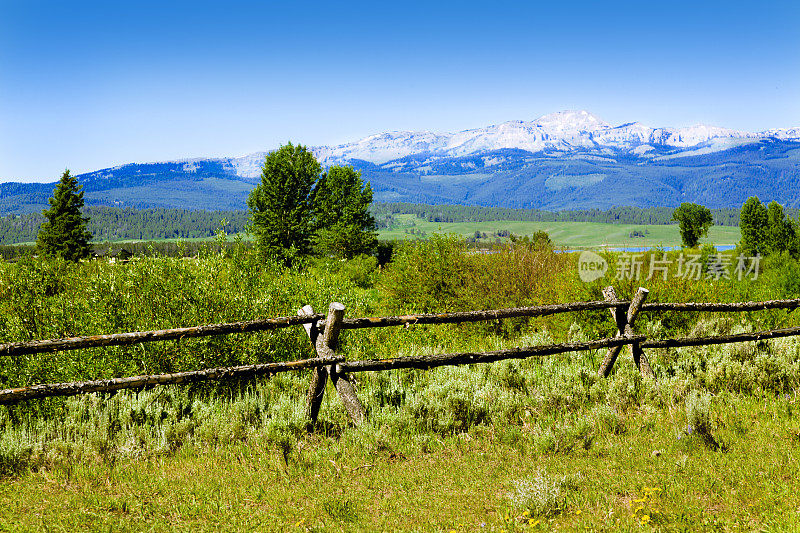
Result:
[615,215]
[117,223]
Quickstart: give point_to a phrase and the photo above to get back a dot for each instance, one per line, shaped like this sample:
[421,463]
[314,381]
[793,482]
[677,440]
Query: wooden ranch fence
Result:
[323,332]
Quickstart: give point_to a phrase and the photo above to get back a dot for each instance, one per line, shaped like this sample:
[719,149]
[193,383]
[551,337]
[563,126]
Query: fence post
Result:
[325,347]
[320,375]
[639,358]
[625,321]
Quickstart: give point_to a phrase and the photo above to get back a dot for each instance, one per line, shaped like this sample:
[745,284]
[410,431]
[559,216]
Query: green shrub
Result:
[430,275]
[608,419]
[564,435]
[16,451]
[42,298]
[698,417]
[626,389]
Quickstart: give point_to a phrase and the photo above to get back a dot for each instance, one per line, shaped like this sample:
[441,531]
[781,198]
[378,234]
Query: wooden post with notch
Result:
[625,320]
[325,347]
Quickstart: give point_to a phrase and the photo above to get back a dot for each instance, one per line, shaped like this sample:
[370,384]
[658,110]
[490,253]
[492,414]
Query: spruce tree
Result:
[64,232]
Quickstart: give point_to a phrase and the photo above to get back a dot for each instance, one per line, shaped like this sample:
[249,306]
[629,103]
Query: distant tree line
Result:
[766,229]
[117,223]
[384,212]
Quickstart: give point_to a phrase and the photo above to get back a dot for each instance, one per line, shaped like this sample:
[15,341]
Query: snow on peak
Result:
[571,121]
[783,133]
[564,131]
[700,133]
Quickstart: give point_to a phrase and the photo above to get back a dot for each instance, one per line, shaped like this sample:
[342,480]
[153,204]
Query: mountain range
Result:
[565,160]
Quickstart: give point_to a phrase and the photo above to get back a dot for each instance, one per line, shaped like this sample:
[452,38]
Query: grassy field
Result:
[567,234]
[649,476]
[570,235]
[540,444]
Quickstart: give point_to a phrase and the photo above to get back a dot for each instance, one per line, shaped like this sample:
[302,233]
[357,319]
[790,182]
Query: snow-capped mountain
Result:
[558,133]
[570,159]
[564,131]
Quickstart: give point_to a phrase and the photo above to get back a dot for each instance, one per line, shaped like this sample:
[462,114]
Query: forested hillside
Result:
[515,178]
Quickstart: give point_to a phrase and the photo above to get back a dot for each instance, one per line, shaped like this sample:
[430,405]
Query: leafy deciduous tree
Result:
[344,225]
[64,231]
[693,222]
[280,205]
[753,223]
[781,235]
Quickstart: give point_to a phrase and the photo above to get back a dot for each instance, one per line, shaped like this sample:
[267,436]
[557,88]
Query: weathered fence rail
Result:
[723,307]
[268,324]
[425,362]
[721,339]
[323,332]
[136,382]
[137,337]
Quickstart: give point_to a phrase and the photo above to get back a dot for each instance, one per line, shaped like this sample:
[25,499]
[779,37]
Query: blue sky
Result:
[87,85]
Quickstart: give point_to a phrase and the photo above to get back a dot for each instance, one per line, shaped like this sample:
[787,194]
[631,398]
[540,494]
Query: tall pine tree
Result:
[64,232]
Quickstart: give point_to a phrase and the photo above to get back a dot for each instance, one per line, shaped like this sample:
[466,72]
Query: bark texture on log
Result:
[327,344]
[316,389]
[311,327]
[639,357]
[625,320]
[619,316]
[347,392]
[325,347]
[722,339]
[107,385]
[425,362]
[722,307]
[475,316]
[119,339]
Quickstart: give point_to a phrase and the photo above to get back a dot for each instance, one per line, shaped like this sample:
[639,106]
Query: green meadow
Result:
[563,234]
[542,444]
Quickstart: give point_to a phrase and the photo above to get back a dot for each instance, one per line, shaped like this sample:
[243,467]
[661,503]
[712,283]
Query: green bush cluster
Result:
[42,299]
